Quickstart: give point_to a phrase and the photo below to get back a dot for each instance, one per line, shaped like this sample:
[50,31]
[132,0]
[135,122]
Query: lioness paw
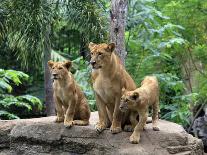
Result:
[156,128]
[68,124]
[134,139]
[59,119]
[115,130]
[100,127]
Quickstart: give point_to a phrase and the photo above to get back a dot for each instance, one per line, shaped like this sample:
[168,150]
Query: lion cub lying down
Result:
[138,101]
[71,104]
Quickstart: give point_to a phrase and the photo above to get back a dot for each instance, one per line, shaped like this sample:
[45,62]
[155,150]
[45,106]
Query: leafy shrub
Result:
[174,104]
[13,107]
[154,47]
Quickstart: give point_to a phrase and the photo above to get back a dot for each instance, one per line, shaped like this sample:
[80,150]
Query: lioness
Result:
[108,77]
[68,97]
[138,101]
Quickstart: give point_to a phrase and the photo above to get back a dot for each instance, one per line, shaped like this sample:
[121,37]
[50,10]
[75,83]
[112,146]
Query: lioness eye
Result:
[126,100]
[53,67]
[99,53]
[91,53]
[60,68]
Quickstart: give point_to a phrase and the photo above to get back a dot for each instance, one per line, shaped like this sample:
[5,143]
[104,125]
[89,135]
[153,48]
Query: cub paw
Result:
[59,119]
[68,124]
[115,130]
[100,127]
[134,139]
[128,128]
[156,128]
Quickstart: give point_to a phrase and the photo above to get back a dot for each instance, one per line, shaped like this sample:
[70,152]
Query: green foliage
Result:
[174,104]
[8,77]
[13,107]
[30,27]
[7,115]
[156,47]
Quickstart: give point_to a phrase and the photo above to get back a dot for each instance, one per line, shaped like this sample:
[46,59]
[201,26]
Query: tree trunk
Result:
[117,26]
[50,107]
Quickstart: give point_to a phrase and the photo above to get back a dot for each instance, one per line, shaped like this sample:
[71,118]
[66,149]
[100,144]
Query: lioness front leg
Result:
[117,118]
[59,110]
[68,122]
[103,118]
[135,137]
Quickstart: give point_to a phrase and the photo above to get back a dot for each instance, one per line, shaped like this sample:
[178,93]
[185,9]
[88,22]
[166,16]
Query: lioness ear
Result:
[67,64]
[91,45]
[50,63]
[123,90]
[111,47]
[135,96]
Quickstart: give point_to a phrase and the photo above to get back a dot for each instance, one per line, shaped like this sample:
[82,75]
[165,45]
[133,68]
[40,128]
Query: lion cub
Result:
[71,104]
[138,102]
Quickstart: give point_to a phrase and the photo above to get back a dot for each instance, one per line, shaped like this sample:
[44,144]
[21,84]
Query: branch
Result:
[196,115]
[193,62]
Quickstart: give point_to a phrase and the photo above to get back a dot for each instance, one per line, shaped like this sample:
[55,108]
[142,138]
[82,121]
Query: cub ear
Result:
[111,47]
[50,63]
[67,64]
[91,45]
[135,96]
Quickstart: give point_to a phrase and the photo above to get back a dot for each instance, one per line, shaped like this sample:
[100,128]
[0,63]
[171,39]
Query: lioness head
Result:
[100,54]
[129,100]
[59,69]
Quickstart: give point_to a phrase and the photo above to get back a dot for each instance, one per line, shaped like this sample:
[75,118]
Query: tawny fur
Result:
[138,101]
[71,104]
[109,77]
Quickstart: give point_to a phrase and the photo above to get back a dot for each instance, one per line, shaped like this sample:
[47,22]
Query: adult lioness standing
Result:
[108,77]
[71,104]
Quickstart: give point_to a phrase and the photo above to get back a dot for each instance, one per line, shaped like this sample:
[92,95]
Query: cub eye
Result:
[126,100]
[100,53]
[91,53]
[53,67]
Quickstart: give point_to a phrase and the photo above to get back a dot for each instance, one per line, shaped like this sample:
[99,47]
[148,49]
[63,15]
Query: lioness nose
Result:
[121,106]
[92,62]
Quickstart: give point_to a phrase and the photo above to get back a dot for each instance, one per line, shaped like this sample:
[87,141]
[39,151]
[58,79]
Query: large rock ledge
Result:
[42,136]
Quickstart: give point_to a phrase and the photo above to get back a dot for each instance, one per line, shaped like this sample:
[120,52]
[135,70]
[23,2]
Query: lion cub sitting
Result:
[71,104]
[138,101]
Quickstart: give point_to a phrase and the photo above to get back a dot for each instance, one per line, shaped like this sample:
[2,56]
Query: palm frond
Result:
[27,23]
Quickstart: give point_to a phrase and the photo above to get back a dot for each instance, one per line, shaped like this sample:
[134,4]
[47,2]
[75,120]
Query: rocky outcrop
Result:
[43,137]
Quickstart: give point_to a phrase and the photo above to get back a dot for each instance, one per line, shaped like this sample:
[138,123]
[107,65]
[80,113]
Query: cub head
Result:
[59,69]
[100,54]
[129,100]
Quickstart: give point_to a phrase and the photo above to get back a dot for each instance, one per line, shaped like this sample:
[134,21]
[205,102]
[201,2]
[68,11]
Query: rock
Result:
[43,137]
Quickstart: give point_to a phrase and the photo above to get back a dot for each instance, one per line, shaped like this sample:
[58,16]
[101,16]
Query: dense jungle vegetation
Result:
[163,38]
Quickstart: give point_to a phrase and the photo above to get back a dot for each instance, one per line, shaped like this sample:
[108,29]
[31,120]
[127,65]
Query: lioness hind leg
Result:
[155,115]
[81,122]
[83,113]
